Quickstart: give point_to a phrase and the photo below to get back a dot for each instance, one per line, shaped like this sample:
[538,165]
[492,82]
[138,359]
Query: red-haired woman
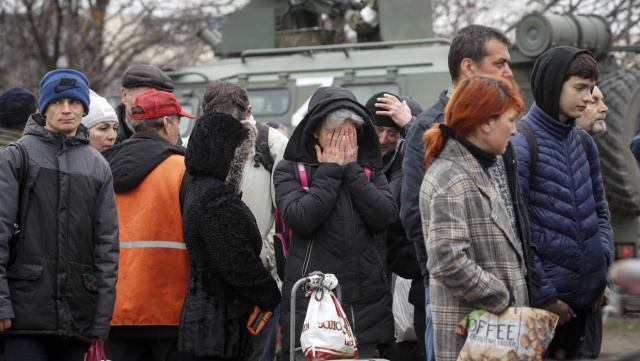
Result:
[477,258]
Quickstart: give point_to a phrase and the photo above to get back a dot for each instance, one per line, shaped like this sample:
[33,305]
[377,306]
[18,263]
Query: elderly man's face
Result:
[389,138]
[592,119]
[128,97]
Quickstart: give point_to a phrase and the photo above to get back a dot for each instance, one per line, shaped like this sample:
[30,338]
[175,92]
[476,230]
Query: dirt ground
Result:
[621,337]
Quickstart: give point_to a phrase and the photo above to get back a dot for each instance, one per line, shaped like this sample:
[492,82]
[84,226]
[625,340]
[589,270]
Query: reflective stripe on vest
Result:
[153,271]
[153,244]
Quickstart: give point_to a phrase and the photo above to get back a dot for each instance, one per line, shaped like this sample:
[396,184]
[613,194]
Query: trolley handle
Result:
[313,280]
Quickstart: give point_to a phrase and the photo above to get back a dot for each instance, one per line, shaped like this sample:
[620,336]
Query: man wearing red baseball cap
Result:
[150,183]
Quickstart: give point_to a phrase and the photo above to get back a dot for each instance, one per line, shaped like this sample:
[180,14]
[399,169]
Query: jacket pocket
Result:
[90,283]
[24,276]
[25,272]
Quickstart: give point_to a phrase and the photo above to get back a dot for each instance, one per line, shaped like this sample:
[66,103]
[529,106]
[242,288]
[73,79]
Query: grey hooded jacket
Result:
[60,277]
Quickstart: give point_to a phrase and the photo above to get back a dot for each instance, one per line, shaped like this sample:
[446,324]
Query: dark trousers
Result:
[592,343]
[404,351]
[568,338]
[145,349]
[43,348]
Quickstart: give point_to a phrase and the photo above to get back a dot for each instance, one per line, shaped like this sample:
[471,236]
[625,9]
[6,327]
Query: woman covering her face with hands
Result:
[348,201]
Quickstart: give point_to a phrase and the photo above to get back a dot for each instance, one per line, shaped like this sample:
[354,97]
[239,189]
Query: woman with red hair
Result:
[476,255]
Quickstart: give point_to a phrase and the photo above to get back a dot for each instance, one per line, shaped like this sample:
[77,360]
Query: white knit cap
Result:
[99,111]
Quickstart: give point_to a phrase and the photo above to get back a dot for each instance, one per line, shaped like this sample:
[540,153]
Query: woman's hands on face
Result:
[351,148]
[332,151]
[339,146]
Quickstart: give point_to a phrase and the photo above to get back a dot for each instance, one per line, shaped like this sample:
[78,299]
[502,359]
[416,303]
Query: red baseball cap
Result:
[157,104]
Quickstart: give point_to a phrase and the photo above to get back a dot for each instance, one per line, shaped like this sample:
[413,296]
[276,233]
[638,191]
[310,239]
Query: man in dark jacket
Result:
[136,80]
[57,279]
[149,178]
[475,50]
[16,105]
[390,114]
[334,221]
[569,213]
[592,121]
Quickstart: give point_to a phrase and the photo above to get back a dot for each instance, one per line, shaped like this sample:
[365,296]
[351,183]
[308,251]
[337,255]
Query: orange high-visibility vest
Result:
[153,272]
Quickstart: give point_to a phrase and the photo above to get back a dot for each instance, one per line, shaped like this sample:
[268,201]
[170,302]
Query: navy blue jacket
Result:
[635,146]
[568,211]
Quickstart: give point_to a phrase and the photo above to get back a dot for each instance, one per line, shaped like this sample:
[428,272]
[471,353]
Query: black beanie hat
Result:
[16,105]
[413,104]
[380,120]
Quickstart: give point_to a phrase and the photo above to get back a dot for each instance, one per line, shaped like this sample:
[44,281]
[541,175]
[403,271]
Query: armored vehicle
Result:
[408,61]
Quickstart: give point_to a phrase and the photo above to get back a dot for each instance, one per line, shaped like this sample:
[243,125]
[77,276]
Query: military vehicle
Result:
[408,61]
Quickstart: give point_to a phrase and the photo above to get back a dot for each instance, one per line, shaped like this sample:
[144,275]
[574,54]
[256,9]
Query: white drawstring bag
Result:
[326,334]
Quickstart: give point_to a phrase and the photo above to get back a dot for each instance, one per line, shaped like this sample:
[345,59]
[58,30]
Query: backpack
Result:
[263,153]
[527,131]
[284,235]
[22,181]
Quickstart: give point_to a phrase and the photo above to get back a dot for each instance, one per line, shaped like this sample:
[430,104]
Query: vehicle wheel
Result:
[619,168]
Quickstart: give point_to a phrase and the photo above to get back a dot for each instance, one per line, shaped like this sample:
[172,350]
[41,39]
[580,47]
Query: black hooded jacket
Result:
[334,222]
[547,77]
[224,243]
[124,130]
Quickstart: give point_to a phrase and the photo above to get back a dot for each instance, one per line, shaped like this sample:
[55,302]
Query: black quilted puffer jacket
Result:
[335,221]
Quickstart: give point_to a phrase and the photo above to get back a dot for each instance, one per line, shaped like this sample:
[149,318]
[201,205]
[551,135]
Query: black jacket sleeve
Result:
[302,210]
[374,201]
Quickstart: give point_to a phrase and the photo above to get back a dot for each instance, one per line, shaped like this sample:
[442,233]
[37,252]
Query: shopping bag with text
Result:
[519,333]
[326,334]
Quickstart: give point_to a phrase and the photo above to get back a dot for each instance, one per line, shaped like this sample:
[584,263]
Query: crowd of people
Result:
[111,229]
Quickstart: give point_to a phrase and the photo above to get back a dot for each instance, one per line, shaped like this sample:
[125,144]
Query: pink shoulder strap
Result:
[303,176]
[304,181]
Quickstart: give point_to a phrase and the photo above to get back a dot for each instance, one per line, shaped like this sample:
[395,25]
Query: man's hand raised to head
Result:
[397,110]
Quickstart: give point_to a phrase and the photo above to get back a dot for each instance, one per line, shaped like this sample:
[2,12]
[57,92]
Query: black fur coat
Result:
[227,275]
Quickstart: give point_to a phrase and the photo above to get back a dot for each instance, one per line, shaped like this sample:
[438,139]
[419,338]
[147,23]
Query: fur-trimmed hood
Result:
[218,147]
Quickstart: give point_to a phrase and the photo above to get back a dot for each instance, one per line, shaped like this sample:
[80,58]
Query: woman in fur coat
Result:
[227,275]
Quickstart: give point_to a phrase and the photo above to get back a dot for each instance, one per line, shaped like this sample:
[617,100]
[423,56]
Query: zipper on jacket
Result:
[353,323]
[307,257]
[383,269]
